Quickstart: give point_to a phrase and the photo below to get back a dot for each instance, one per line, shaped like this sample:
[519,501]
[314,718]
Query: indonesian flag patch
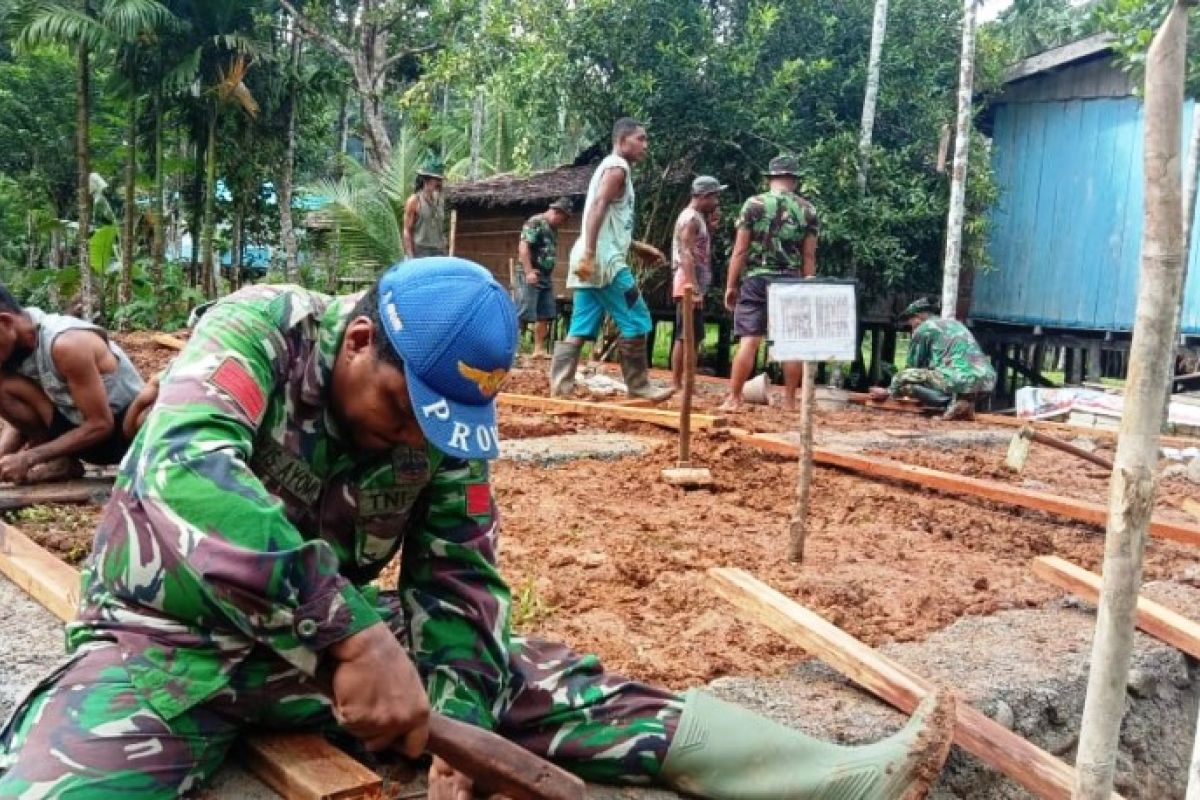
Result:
[236,381]
[479,499]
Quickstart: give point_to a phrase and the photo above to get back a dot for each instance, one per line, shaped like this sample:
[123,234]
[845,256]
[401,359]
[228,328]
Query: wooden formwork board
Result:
[1153,618]
[654,416]
[1070,508]
[1033,768]
[82,491]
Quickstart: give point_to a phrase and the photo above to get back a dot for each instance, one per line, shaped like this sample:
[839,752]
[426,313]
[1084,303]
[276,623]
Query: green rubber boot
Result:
[725,752]
[562,369]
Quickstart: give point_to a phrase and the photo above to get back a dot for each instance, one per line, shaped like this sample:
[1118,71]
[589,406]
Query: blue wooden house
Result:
[1066,231]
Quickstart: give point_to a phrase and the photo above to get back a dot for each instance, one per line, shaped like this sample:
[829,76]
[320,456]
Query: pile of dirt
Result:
[147,355]
[65,530]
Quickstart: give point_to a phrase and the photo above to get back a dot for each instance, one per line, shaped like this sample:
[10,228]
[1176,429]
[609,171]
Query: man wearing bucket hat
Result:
[776,237]
[425,213]
[945,367]
[298,443]
[691,263]
[600,273]
[538,253]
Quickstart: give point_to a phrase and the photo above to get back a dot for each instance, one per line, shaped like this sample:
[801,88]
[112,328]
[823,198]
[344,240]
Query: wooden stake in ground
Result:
[958,176]
[453,230]
[798,531]
[1131,490]
[683,473]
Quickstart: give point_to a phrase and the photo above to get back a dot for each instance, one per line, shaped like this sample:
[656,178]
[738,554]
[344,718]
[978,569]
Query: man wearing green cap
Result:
[691,263]
[538,252]
[298,444]
[776,238]
[600,273]
[425,214]
[945,367]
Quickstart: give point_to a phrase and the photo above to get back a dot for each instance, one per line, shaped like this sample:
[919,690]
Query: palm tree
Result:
[112,29]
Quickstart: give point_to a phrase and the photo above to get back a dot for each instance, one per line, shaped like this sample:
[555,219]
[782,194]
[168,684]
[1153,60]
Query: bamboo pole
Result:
[1131,490]
[952,265]
[453,229]
[799,526]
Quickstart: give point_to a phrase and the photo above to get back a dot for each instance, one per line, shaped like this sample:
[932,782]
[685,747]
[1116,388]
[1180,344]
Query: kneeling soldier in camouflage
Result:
[297,444]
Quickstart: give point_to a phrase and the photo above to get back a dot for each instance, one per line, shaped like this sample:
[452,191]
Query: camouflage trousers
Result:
[908,379]
[85,731]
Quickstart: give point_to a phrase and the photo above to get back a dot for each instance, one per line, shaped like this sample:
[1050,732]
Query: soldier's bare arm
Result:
[737,262]
[526,257]
[410,221]
[78,354]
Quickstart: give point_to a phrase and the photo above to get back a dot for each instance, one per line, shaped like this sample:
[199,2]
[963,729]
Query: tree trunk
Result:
[129,217]
[196,223]
[237,257]
[208,269]
[958,180]
[476,133]
[287,230]
[83,154]
[158,247]
[343,135]
[1131,489]
[1189,212]
[871,95]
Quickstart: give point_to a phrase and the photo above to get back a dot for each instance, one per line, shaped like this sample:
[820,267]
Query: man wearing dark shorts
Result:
[65,394]
[691,263]
[776,238]
[538,252]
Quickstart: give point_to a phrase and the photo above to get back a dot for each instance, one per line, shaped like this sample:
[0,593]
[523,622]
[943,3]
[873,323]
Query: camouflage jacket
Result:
[778,222]
[242,519]
[542,239]
[947,347]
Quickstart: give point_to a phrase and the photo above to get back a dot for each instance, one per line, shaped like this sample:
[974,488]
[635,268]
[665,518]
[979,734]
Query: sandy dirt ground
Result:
[607,557]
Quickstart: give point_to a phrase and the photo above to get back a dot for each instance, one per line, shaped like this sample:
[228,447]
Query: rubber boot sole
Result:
[933,746]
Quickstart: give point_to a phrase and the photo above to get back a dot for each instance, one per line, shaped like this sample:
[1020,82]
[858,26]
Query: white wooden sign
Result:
[812,321]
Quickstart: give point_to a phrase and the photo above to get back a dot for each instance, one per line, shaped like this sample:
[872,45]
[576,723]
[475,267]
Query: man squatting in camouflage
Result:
[776,238]
[945,367]
[298,443]
[66,395]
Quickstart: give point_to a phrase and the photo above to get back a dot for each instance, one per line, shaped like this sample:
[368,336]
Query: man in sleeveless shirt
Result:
[425,214]
[691,262]
[600,272]
[65,394]
[776,238]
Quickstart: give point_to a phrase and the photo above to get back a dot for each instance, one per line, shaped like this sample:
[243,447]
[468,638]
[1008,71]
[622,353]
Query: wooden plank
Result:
[1079,510]
[667,419]
[168,341]
[1191,507]
[888,405]
[298,766]
[1153,618]
[37,572]
[303,766]
[1033,768]
[84,490]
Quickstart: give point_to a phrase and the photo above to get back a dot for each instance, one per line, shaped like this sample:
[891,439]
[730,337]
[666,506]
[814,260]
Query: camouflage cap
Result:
[783,165]
[707,184]
[922,306]
[432,168]
[563,204]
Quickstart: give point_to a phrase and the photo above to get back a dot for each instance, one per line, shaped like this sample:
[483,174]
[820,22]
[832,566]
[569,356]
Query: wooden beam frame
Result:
[168,341]
[301,766]
[1033,768]
[1156,620]
[82,491]
[1070,508]
[654,416]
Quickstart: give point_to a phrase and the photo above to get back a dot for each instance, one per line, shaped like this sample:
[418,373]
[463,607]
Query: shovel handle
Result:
[498,766]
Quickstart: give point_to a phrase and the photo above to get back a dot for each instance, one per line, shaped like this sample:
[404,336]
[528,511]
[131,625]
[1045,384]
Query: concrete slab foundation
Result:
[550,450]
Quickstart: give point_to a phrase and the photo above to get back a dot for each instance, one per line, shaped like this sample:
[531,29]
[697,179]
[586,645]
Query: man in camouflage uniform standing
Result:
[776,238]
[945,366]
[538,253]
[297,444]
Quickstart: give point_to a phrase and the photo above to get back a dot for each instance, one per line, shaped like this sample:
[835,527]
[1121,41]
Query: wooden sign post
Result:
[810,321]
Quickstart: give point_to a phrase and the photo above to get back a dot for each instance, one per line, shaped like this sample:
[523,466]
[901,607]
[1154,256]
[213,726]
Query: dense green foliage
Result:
[191,104]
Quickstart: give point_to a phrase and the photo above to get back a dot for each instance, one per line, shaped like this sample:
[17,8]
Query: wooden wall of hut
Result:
[490,237]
